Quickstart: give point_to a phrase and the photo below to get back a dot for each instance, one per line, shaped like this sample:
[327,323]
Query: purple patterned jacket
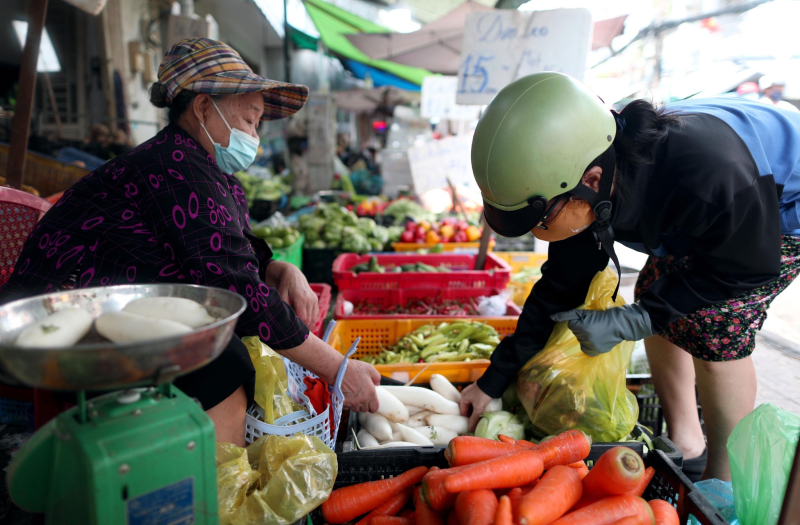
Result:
[162,213]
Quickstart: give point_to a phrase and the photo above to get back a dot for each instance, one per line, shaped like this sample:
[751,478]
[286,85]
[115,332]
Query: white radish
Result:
[395,426]
[122,327]
[458,424]
[419,420]
[495,405]
[437,435]
[422,397]
[178,309]
[391,444]
[445,388]
[365,439]
[390,407]
[414,410]
[59,330]
[410,434]
[397,436]
[377,425]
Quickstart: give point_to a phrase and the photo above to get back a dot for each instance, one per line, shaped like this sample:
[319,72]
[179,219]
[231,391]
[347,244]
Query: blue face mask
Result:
[241,151]
[775,96]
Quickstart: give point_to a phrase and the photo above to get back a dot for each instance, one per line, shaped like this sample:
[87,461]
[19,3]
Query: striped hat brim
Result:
[281,99]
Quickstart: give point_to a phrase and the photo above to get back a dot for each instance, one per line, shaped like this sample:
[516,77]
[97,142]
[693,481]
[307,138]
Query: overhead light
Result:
[48,60]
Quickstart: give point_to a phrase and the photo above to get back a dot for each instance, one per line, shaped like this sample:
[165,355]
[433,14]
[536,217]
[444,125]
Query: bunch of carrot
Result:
[510,482]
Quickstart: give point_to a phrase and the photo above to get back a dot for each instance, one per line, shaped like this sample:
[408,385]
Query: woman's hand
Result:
[473,397]
[294,290]
[360,378]
[358,387]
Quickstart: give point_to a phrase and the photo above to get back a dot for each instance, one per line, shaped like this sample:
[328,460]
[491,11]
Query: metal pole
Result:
[480,260]
[286,64]
[53,105]
[27,85]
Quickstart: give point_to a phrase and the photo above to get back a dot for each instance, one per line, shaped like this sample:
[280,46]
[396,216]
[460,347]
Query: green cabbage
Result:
[501,422]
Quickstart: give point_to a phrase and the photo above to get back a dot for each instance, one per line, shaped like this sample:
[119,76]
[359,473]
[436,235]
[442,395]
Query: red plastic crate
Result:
[323,292]
[496,274]
[386,298]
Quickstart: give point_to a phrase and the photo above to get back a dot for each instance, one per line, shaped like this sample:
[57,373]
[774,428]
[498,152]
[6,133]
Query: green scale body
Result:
[144,456]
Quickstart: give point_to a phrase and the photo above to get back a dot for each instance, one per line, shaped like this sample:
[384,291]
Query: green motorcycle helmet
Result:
[533,143]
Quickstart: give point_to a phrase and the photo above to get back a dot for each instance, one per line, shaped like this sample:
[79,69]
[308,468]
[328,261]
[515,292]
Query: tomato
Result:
[425,224]
[420,232]
[407,236]
[432,237]
[460,237]
[463,225]
[411,226]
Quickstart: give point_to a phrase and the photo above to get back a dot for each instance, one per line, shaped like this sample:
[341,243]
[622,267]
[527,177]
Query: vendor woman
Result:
[707,188]
[171,211]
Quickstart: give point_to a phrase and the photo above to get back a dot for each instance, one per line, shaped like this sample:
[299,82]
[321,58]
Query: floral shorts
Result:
[724,331]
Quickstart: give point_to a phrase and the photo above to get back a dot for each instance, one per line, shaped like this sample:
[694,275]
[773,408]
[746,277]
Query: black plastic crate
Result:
[318,264]
[663,444]
[651,414]
[668,483]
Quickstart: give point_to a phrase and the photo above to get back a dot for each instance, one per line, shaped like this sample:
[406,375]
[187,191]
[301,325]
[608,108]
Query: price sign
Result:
[434,162]
[502,46]
[439,100]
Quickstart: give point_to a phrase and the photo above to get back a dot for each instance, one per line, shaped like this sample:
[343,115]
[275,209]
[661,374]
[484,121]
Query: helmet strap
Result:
[602,205]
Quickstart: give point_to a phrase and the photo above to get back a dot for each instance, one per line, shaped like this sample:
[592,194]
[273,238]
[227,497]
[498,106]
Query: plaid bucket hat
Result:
[207,66]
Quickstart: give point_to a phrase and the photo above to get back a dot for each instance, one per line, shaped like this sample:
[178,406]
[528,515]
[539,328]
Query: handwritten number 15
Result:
[477,71]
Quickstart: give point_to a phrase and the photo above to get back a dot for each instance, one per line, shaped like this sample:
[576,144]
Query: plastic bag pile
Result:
[562,388]
[276,480]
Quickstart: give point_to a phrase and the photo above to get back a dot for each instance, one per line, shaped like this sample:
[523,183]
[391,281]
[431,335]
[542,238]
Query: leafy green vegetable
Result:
[526,275]
[402,208]
[502,422]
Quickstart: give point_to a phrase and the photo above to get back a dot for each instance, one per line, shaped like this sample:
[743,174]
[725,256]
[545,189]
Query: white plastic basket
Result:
[305,421]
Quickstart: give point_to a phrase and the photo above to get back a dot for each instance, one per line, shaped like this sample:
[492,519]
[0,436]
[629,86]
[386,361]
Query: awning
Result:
[607,30]
[333,23]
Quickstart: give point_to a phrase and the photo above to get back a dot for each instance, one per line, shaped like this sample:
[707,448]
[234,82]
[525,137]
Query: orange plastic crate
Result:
[376,334]
[518,261]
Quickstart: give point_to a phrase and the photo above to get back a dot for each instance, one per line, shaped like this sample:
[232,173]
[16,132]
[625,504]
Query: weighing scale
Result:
[143,454]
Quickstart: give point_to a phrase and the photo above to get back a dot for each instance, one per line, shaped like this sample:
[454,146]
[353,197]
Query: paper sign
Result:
[439,100]
[434,162]
[502,46]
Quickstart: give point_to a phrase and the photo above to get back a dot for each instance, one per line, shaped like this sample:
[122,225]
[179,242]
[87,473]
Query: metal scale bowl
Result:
[143,455]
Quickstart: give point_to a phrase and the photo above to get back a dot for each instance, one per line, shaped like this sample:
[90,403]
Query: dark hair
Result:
[640,126]
[181,102]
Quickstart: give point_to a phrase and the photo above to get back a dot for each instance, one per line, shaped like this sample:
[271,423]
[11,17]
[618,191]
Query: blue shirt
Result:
[773,137]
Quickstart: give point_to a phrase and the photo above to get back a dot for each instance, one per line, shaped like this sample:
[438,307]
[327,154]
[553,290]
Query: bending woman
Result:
[708,189]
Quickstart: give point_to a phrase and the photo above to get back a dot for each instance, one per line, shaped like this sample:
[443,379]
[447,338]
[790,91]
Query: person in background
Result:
[772,93]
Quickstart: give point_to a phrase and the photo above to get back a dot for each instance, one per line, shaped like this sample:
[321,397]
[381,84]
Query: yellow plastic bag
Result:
[275,481]
[562,388]
[271,381]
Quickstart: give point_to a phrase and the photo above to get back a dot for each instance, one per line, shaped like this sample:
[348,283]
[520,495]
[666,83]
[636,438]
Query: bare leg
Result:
[673,377]
[228,418]
[727,393]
